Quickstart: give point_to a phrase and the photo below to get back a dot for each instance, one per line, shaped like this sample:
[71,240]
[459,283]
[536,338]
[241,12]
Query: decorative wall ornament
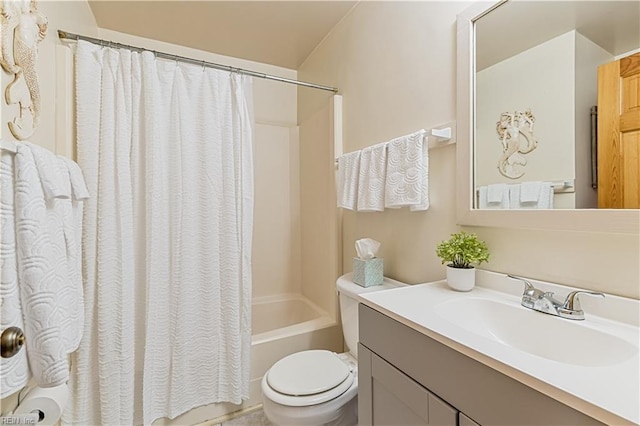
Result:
[516,135]
[23,27]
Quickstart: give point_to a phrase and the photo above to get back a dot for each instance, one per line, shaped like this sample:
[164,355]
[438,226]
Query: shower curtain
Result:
[166,150]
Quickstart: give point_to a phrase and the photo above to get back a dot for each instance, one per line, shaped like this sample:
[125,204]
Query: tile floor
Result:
[256,418]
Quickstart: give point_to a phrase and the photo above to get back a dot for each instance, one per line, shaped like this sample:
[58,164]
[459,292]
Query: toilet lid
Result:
[307,373]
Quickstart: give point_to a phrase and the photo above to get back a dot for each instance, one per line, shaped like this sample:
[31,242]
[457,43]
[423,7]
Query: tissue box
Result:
[367,273]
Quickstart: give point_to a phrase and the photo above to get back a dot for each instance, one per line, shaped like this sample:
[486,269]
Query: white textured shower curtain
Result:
[166,150]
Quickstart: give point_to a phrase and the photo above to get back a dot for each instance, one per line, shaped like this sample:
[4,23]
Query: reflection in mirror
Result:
[549,84]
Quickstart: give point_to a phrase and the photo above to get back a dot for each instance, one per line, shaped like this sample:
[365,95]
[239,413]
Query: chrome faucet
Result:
[540,301]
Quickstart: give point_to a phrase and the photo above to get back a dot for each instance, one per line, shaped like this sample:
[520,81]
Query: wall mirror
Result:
[530,153]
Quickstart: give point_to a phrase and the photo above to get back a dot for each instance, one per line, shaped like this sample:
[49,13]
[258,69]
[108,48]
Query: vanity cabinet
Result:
[395,398]
[408,378]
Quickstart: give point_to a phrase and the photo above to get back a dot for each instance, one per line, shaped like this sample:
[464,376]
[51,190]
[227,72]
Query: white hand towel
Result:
[373,167]
[530,192]
[485,204]
[72,222]
[64,219]
[78,185]
[496,192]
[545,199]
[423,165]
[347,180]
[407,182]
[546,195]
[50,173]
[38,275]
[14,371]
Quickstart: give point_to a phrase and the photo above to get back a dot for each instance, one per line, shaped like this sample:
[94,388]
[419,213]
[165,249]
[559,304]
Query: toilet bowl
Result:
[320,387]
[315,387]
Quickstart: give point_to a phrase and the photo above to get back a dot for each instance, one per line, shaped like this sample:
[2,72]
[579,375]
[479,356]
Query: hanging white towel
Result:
[347,180]
[14,371]
[72,212]
[544,201]
[407,182]
[38,275]
[51,173]
[64,195]
[498,193]
[546,196]
[79,191]
[501,201]
[373,167]
[530,192]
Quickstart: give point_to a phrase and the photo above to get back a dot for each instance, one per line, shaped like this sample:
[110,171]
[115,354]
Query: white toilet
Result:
[319,387]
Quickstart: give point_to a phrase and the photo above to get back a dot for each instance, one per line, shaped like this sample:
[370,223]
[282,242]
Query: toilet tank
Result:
[348,296]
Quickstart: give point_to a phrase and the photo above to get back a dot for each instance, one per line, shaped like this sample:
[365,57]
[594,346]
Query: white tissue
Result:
[367,248]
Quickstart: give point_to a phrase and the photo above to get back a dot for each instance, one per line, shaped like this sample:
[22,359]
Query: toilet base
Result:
[325,414]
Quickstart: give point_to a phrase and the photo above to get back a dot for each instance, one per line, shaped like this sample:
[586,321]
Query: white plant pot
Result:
[461,279]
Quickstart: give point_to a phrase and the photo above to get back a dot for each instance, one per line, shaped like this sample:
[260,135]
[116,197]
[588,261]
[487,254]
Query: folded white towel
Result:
[546,196]
[38,275]
[407,182]
[14,371]
[496,192]
[545,200]
[503,200]
[79,190]
[50,173]
[68,218]
[514,197]
[347,180]
[373,167]
[530,192]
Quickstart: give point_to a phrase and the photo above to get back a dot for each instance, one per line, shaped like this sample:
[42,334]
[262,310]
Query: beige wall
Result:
[566,67]
[320,265]
[395,65]
[276,225]
[588,57]
[515,85]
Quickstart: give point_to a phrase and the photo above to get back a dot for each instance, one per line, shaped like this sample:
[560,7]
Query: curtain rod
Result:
[69,36]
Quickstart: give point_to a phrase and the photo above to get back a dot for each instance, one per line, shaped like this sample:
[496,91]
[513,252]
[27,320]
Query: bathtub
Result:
[281,325]
[273,318]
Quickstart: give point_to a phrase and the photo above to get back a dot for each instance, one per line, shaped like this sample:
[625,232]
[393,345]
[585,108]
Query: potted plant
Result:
[460,252]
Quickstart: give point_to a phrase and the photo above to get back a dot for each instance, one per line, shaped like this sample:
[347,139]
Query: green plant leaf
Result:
[462,250]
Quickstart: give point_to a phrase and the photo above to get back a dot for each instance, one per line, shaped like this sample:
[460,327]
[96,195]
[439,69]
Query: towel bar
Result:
[444,135]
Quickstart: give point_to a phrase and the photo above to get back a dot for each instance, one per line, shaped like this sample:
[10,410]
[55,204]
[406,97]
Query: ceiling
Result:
[516,26]
[281,33]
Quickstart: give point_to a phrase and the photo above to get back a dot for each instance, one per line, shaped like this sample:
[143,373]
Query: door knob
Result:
[11,341]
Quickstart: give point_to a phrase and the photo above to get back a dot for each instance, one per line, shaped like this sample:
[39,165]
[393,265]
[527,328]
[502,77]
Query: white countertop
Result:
[609,393]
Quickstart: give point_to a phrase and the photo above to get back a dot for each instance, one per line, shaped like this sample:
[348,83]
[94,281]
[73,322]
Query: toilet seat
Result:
[308,378]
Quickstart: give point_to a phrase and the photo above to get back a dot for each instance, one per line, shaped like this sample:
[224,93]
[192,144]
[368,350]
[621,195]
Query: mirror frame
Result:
[618,221]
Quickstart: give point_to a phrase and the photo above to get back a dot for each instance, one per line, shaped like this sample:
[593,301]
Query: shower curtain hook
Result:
[203,65]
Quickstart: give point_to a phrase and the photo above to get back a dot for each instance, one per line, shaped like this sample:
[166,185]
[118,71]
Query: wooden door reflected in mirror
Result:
[619,134]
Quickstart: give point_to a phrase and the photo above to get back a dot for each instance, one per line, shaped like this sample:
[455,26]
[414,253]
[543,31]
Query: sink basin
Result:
[546,336]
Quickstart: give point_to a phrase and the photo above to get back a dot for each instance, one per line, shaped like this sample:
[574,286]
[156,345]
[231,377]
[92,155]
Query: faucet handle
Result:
[529,289]
[572,302]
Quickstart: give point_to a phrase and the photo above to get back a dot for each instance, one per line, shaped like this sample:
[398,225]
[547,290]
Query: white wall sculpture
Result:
[23,27]
[516,135]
